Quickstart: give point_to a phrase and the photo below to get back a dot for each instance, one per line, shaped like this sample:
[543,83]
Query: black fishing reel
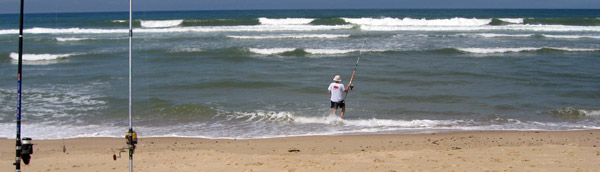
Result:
[25,150]
[351,86]
[131,138]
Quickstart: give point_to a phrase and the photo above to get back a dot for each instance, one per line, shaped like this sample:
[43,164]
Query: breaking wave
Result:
[253,28]
[285,21]
[311,51]
[302,51]
[570,112]
[292,36]
[495,35]
[59,39]
[160,23]
[461,24]
[417,22]
[34,57]
[523,49]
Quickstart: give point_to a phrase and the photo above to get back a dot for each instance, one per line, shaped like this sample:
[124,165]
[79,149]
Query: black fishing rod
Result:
[24,148]
[131,135]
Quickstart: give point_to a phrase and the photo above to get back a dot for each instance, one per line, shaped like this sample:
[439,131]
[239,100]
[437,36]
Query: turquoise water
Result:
[257,74]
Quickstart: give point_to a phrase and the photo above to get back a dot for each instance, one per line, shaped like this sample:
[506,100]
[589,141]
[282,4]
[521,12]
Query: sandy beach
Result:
[463,151]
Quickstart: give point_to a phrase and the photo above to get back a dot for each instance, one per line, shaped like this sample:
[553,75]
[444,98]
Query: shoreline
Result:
[461,151]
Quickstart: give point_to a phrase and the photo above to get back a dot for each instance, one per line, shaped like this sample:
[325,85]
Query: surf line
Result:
[24,147]
[131,136]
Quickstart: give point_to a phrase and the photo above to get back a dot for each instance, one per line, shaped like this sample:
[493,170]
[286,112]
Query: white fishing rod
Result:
[131,136]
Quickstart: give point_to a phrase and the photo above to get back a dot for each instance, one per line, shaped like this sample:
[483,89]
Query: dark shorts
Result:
[337,104]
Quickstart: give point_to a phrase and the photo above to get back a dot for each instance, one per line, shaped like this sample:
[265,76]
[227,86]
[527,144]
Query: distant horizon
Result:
[293,9]
[84,6]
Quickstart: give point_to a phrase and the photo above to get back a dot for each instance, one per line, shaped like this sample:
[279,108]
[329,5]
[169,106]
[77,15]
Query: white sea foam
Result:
[377,123]
[269,124]
[340,51]
[285,21]
[284,116]
[254,28]
[418,22]
[160,23]
[521,49]
[494,35]
[594,113]
[71,39]
[571,36]
[38,30]
[120,21]
[292,36]
[513,20]
[189,49]
[496,50]
[270,51]
[329,51]
[53,131]
[33,57]
[456,24]
[537,28]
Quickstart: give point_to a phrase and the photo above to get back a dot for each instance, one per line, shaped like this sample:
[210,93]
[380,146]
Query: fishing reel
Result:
[351,86]
[131,138]
[26,149]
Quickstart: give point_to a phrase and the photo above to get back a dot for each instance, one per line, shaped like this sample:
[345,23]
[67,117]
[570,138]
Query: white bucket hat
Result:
[337,78]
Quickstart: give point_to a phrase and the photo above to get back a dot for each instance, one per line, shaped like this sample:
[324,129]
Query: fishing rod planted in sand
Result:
[131,135]
[24,147]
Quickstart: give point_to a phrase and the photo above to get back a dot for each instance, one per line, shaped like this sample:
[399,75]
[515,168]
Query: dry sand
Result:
[560,151]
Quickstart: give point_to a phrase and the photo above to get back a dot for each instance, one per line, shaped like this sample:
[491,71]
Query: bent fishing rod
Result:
[24,147]
[350,85]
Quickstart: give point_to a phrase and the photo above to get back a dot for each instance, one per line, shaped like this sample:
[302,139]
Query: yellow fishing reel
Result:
[131,139]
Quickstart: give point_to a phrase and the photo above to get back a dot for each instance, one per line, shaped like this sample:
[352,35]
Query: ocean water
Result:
[261,74]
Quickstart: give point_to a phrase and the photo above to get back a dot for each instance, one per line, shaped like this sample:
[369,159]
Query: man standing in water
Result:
[337,99]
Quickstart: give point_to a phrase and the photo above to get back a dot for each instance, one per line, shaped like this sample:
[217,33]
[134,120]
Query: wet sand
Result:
[462,151]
